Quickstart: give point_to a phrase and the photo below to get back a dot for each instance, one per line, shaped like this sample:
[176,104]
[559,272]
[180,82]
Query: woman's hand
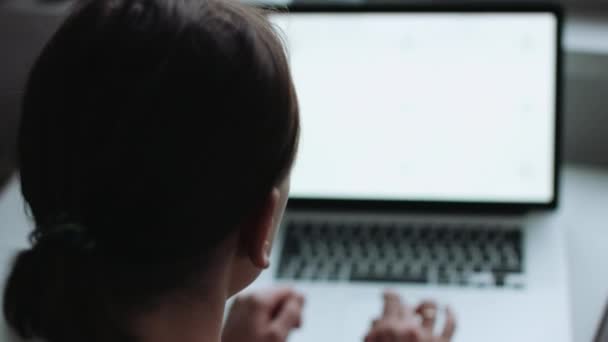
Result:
[264,316]
[402,323]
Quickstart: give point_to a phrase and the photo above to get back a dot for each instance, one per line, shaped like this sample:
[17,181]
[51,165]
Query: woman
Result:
[155,149]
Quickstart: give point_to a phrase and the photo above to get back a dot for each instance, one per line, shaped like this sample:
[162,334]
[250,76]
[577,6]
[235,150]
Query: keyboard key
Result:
[402,278]
[481,279]
[515,281]
[499,279]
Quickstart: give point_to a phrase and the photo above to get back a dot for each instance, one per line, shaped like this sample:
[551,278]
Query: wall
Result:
[22,35]
[586,102]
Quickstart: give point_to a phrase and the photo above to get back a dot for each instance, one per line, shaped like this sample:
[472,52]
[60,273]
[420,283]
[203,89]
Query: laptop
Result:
[601,334]
[428,164]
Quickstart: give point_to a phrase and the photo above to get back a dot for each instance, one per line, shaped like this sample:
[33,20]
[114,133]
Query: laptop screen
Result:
[424,106]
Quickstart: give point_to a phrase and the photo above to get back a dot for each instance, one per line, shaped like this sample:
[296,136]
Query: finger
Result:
[387,332]
[300,297]
[393,307]
[375,335]
[450,325]
[371,337]
[289,316]
[411,334]
[384,338]
[390,334]
[271,298]
[428,312]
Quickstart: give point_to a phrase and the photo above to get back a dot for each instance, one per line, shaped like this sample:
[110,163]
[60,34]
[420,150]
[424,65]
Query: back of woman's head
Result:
[150,130]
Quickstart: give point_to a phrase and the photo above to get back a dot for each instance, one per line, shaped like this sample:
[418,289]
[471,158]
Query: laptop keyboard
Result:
[445,254]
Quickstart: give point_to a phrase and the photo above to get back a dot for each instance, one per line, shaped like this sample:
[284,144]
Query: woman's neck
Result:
[196,316]
[183,320]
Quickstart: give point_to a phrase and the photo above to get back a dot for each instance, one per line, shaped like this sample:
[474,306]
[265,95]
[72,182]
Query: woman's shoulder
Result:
[6,335]
[12,240]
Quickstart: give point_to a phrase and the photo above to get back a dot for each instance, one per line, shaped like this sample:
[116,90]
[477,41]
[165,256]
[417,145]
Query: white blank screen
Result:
[424,106]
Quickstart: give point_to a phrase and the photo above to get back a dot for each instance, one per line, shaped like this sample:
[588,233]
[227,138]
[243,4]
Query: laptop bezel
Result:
[317,204]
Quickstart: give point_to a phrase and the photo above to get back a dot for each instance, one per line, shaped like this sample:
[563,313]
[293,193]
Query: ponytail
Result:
[22,294]
[53,293]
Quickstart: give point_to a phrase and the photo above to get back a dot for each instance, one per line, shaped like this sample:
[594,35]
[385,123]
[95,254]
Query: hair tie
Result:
[69,235]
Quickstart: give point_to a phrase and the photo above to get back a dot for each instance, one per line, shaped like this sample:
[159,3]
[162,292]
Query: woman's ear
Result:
[258,240]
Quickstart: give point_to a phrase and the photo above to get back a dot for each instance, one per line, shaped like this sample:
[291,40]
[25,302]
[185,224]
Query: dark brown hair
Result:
[150,130]
[8,137]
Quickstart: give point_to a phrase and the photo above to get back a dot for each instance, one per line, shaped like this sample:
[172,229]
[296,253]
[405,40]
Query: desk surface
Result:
[583,209]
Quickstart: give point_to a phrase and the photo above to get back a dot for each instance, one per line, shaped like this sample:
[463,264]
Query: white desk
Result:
[583,209]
